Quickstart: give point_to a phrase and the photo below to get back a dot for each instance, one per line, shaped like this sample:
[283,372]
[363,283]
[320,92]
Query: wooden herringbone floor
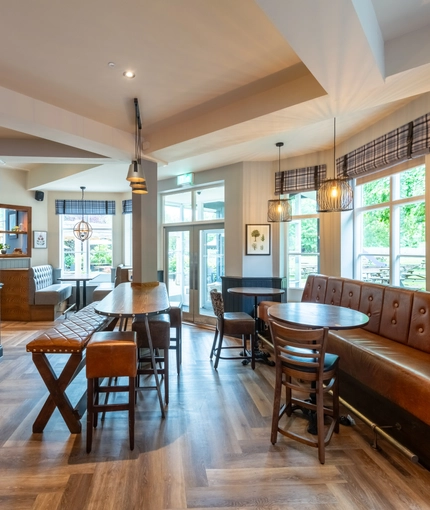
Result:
[213,449]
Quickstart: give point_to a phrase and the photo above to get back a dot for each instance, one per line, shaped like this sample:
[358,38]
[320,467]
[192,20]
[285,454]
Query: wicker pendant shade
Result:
[335,195]
[82,230]
[279,210]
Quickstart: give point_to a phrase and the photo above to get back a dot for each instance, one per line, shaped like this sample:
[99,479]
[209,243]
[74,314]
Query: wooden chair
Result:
[303,366]
[232,323]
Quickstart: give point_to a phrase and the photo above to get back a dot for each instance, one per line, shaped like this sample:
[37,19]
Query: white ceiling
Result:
[217,81]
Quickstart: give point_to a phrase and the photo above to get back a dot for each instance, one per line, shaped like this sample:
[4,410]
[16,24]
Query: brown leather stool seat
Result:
[110,354]
[159,327]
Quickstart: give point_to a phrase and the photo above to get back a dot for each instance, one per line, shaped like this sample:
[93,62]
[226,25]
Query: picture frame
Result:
[257,239]
[40,239]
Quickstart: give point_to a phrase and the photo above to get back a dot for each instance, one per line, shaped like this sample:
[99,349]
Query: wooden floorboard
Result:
[212,450]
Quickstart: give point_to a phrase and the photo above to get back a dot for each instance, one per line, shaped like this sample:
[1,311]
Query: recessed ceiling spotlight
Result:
[129,74]
[111,64]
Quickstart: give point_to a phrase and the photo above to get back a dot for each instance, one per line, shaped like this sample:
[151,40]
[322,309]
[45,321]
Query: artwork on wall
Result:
[39,239]
[257,239]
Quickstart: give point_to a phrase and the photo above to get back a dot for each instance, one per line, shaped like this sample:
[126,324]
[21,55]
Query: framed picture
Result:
[39,239]
[257,239]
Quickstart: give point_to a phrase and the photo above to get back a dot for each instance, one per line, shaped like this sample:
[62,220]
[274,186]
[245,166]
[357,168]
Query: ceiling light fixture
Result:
[129,74]
[135,171]
[82,230]
[279,210]
[335,195]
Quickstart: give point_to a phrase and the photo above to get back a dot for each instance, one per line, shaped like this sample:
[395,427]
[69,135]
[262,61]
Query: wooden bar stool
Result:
[159,327]
[110,354]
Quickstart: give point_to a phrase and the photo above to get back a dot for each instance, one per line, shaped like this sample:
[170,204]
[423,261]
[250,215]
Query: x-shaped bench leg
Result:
[57,392]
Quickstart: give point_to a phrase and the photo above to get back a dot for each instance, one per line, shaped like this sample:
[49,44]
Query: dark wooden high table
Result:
[144,299]
[78,278]
[255,292]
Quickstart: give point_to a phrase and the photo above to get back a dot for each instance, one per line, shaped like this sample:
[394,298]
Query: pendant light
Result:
[82,230]
[279,210]
[135,171]
[335,195]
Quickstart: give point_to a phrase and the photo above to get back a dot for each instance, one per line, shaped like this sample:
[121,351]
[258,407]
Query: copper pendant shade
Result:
[136,174]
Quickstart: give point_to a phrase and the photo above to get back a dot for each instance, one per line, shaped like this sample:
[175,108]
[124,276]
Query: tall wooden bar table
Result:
[255,292]
[144,299]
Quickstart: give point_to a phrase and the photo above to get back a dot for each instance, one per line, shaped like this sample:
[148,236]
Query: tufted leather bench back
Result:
[333,293]
[419,330]
[399,314]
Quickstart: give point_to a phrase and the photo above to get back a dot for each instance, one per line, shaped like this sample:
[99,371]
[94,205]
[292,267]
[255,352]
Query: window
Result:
[203,204]
[303,239]
[390,229]
[92,255]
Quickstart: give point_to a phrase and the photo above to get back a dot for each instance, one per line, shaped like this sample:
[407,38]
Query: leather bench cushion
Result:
[71,335]
[53,294]
[396,371]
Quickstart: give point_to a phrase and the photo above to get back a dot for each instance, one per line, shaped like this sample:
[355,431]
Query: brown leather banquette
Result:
[385,366]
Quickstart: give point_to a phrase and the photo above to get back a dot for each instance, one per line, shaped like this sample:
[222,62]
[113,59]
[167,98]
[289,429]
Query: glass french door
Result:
[194,264]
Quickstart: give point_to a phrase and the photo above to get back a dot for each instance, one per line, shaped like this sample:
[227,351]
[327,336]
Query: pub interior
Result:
[177,174]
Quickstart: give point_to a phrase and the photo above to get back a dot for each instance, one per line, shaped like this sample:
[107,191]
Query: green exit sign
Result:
[185,179]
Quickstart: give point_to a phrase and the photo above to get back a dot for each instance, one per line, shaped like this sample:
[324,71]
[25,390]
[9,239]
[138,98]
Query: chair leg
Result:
[214,343]
[90,406]
[218,350]
[276,406]
[131,412]
[166,376]
[336,404]
[320,424]
[252,346]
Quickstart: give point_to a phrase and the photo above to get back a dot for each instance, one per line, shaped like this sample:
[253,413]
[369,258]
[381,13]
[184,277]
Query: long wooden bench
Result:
[67,337]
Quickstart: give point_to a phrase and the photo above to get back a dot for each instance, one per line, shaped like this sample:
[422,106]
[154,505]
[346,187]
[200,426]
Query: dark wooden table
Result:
[144,299]
[318,315]
[256,292]
[78,278]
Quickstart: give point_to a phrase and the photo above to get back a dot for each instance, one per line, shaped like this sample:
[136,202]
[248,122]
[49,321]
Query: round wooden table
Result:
[318,315]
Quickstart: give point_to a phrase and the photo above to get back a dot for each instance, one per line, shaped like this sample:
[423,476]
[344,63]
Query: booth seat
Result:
[385,365]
